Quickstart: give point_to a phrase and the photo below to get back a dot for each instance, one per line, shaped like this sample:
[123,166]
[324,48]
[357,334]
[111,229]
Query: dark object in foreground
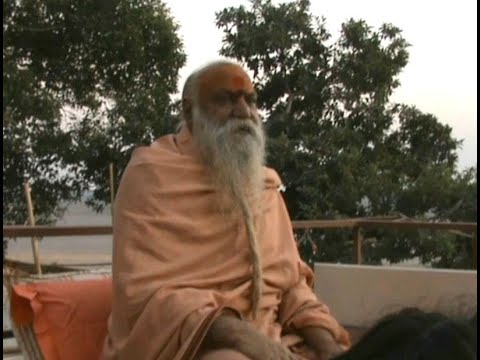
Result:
[413,334]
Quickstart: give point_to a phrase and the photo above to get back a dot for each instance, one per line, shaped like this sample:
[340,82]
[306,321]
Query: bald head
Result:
[221,90]
[219,107]
[220,111]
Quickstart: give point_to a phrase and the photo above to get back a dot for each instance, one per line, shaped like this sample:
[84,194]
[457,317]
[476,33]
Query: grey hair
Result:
[190,86]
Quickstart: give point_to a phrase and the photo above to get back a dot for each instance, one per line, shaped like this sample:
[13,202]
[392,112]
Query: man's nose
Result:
[241,110]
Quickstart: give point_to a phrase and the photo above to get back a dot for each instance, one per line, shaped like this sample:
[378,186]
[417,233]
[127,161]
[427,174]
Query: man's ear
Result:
[187,111]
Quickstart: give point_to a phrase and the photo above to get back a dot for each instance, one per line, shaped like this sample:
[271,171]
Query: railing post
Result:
[474,249]
[112,189]
[357,245]
[31,221]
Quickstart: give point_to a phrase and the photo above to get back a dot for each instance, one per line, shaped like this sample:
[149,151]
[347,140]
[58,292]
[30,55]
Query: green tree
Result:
[342,148]
[84,82]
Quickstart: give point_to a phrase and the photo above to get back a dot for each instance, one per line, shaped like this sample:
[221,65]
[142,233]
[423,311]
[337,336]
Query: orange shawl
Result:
[177,262]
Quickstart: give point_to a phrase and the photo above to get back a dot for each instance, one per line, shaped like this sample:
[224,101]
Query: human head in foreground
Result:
[412,334]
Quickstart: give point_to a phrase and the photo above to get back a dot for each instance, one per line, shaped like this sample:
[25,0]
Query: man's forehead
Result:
[229,77]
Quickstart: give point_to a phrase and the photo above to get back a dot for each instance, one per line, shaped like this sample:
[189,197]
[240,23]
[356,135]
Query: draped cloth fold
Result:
[178,262]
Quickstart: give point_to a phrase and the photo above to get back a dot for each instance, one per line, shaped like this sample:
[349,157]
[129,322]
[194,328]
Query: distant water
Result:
[70,249]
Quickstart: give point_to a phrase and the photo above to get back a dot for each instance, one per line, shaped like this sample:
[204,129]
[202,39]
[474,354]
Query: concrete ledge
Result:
[358,295]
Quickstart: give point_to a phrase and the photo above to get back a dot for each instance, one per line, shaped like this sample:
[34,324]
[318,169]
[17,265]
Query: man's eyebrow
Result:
[238,92]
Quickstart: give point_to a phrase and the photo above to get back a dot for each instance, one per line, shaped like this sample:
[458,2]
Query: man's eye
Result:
[251,99]
[222,98]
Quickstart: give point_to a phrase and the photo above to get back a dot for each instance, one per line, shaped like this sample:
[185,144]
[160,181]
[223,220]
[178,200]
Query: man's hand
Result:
[258,347]
[229,332]
[321,342]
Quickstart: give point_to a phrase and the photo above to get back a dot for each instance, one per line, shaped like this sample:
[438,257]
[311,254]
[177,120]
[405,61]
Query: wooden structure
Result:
[356,225]
[31,221]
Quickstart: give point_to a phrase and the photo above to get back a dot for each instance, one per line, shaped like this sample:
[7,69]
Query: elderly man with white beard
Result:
[205,265]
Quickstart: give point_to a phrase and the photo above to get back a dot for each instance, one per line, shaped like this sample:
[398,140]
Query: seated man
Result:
[205,265]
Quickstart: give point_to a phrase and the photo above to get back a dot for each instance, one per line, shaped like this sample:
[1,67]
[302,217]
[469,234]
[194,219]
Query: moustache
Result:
[243,127]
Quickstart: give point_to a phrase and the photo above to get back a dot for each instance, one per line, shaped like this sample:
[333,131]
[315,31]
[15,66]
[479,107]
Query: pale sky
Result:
[441,75]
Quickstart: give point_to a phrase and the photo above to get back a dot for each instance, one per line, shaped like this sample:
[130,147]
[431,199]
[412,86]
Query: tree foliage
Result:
[84,82]
[342,148]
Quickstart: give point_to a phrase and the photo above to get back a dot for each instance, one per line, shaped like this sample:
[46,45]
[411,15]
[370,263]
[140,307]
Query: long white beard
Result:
[234,153]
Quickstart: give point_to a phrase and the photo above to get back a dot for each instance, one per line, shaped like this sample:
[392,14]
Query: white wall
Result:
[358,295]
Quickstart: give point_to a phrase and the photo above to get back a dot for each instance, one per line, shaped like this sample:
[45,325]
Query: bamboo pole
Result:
[357,245]
[474,249]
[112,189]
[31,221]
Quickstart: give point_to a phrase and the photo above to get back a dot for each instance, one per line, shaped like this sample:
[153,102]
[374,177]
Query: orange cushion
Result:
[69,317]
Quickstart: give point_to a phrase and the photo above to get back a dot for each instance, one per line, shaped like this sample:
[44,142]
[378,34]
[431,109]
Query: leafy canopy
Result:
[84,82]
[342,148]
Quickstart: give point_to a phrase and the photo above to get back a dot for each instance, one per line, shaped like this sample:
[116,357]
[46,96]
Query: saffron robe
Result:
[178,262]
